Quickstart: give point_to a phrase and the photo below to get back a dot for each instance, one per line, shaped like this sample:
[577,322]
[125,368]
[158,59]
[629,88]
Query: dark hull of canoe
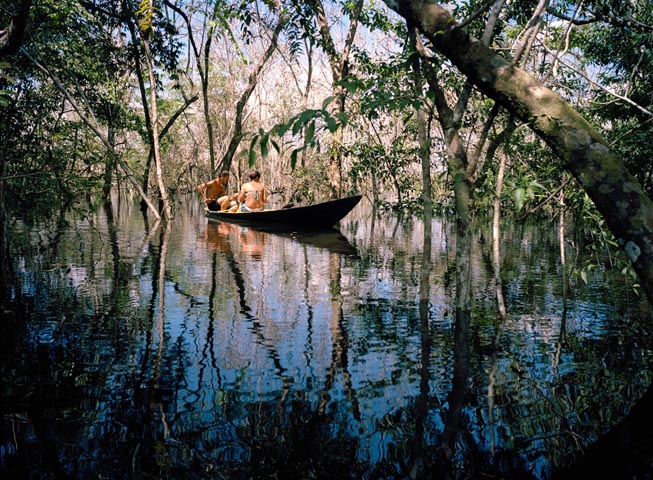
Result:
[320,215]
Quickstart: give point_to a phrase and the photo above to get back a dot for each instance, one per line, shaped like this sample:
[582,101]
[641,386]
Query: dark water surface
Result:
[206,350]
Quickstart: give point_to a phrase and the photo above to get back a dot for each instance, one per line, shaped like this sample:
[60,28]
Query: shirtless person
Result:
[214,193]
[252,196]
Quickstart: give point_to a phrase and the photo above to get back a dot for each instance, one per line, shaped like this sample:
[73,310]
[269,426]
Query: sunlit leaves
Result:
[304,129]
[526,191]
[145,13]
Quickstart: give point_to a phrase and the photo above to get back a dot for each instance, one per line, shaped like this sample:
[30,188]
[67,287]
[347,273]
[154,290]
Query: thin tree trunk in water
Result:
[422,136]
[136,57]
[307,91]
[155,134]
[110,164]
[463,237]
[496,237]
[334,168]
[95,128]
[561,240]
[204,76]
[627,210]
[496,261]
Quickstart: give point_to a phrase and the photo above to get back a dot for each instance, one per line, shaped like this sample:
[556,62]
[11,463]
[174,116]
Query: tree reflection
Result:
[305,362]
[419,462]
[456,398]
[339,344]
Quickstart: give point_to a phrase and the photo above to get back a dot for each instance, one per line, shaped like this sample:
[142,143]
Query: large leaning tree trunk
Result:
[627,210]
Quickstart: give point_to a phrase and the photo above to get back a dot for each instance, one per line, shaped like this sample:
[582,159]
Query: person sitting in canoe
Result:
[252,195]
[215,195]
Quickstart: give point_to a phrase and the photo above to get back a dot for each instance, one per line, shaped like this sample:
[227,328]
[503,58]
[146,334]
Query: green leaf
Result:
[519,197]
[307,115]
[310,133]
[293,159]
[252,151]
[343,118]
[264,145]
[332,125]
[283,128]
[327,101]
[253,142]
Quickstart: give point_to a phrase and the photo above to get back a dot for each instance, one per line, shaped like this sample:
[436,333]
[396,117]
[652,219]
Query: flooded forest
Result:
[482,312]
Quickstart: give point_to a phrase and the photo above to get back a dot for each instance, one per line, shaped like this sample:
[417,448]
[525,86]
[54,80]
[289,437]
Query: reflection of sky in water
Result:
[261,346]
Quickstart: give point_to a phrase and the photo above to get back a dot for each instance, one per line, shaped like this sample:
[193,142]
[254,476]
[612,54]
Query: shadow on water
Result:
[207,350]
[330,239]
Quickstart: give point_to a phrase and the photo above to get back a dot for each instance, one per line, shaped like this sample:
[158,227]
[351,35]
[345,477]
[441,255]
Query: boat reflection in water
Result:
[251,240]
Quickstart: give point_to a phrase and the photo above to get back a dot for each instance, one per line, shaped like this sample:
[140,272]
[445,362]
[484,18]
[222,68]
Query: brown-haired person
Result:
[214,193]
[252,195]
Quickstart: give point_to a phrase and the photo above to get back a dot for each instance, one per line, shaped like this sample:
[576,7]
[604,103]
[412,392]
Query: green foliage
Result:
[5,95]
[309,124]
[599,246]
[145,12]
[527,189]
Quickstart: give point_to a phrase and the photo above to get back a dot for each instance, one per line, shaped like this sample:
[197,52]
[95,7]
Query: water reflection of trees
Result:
[382,378]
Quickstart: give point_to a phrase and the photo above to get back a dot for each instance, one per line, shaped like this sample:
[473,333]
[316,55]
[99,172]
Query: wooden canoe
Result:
[319,215]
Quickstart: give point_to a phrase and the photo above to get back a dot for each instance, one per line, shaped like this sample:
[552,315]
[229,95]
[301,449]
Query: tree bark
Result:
[422,137]
[627,210]
[163,192]
[11,38]
[136,57]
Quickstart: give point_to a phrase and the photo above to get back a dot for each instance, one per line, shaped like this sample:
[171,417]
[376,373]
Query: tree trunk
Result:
[136,57]
[110,164]
[422,137]
[496,238]
[627,210]
[12,37]
[203,68]
[96,129]
[155,134]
